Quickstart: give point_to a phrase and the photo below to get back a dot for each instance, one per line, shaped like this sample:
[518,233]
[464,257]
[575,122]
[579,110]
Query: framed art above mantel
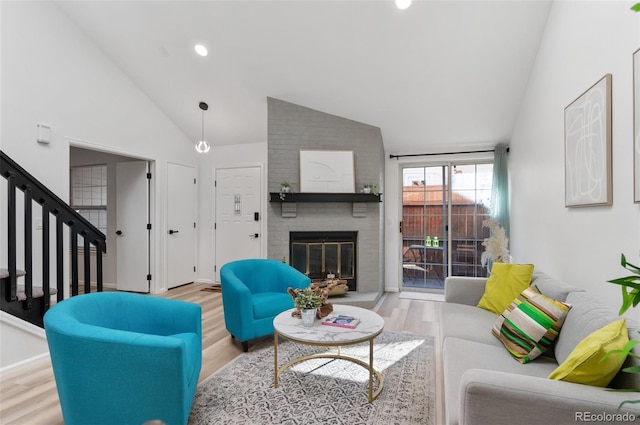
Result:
[327,171]
[587,138]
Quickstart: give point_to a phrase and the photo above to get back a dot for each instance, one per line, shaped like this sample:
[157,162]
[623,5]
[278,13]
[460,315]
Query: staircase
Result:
[25,300]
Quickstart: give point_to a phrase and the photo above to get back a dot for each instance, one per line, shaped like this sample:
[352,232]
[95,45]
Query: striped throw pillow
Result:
[530,324]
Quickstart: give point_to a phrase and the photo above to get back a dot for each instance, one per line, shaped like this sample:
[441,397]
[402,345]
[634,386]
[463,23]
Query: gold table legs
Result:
[369,366]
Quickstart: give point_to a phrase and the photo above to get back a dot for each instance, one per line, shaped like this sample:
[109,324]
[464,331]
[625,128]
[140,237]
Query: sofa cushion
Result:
[586,316]
[587,363]
[504,285]
[530,324]
[552,287]
[467,322]
[461,355]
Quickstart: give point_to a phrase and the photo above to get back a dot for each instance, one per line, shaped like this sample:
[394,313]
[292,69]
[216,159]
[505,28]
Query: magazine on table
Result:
[341,320]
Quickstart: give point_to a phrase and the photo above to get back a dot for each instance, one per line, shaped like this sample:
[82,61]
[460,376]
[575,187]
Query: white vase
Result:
[308,316]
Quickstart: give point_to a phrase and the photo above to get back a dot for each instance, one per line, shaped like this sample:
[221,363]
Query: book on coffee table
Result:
[341,320]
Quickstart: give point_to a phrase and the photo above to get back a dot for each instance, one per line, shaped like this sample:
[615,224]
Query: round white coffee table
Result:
[291,328]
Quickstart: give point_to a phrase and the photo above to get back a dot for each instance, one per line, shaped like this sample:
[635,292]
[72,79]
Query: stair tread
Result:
[4,273]
[37,292]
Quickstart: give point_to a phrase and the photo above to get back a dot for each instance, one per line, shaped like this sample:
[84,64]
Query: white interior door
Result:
[238,215]
[132,217]
[181,225]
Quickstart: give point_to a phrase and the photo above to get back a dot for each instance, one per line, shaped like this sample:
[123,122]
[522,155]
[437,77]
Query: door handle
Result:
[171,232]
[254,236]
[118,232]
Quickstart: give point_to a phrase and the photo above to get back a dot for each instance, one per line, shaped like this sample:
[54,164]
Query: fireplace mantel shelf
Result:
[326,197]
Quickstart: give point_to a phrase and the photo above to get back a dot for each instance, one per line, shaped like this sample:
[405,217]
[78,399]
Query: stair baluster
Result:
[34,307]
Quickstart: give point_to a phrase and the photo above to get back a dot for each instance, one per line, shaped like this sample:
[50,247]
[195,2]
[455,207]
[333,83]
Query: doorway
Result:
[126,266]
[239,215]
[181,224]
[443,208]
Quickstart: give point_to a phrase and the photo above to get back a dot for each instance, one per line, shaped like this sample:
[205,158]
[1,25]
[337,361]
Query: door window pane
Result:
[441,225]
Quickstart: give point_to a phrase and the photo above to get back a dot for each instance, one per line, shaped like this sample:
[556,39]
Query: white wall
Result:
[226,156]
[51,72]
[583,41]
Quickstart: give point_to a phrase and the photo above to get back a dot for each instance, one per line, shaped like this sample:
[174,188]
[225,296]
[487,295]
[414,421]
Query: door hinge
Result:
[215,226]
[215,268]
[215,183]
[149,226]
[401,227]
[149,176]
[148,277]
[194,269]
[194,224]
[194,181]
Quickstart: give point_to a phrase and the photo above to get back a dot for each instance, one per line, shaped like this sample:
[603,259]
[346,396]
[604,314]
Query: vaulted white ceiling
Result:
[439,76]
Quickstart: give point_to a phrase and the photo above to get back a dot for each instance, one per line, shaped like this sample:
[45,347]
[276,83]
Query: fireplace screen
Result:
[318,257]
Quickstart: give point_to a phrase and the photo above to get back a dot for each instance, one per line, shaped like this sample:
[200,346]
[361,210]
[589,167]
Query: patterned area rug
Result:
[323,391]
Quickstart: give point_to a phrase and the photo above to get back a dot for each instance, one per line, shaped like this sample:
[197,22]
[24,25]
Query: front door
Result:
[132,217]
[181,225]
[238,215]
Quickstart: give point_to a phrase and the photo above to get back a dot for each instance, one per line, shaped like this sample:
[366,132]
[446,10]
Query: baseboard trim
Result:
[24,364]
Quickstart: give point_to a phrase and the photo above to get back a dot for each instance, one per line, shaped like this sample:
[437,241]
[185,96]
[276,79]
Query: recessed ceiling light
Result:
[403,4]
[201,50]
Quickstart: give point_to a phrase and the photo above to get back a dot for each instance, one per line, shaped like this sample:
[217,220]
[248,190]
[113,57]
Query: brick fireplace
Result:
[319,254]
[292,128]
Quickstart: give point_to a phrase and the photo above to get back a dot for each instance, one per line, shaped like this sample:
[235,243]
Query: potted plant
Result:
[308,302]
[370,188]
[285,187]
[630,298]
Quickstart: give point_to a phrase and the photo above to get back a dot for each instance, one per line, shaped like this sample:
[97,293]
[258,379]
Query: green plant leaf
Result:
[632,369]
[628,402]
[636,7]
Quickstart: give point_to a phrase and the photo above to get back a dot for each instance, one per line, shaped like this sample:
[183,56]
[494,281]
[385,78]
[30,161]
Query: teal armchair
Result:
[122,358]
[254,292]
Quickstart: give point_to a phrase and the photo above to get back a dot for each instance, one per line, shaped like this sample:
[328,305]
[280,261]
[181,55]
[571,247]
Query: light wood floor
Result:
[29,396]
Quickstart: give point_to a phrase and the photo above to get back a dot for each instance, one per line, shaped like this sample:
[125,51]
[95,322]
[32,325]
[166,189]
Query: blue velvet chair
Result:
[254,292]
[122,358]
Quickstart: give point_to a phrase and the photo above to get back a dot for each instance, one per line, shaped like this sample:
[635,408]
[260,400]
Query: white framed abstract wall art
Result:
[328,171]
[636,126]
[587,144]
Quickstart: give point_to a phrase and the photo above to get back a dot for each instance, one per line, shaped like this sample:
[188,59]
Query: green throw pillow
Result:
[504,285]
[586,363]
[530,324]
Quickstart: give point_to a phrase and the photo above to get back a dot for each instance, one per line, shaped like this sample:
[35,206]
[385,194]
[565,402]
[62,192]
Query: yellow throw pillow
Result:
[585,365]
[506,282]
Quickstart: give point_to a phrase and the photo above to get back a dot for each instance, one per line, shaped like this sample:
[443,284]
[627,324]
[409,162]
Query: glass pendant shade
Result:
[202,146]
[403,4]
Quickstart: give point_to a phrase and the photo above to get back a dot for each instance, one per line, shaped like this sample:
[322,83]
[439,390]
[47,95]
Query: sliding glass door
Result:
[443,207]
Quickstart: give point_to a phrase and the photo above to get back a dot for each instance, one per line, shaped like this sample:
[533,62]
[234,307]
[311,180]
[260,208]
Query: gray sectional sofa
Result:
[484,384]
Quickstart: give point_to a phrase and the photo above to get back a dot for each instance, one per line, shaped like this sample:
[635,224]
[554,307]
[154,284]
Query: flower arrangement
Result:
[497,245]
[307,299]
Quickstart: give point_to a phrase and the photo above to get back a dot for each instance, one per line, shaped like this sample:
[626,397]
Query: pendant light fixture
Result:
[202,146]
[403,4]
